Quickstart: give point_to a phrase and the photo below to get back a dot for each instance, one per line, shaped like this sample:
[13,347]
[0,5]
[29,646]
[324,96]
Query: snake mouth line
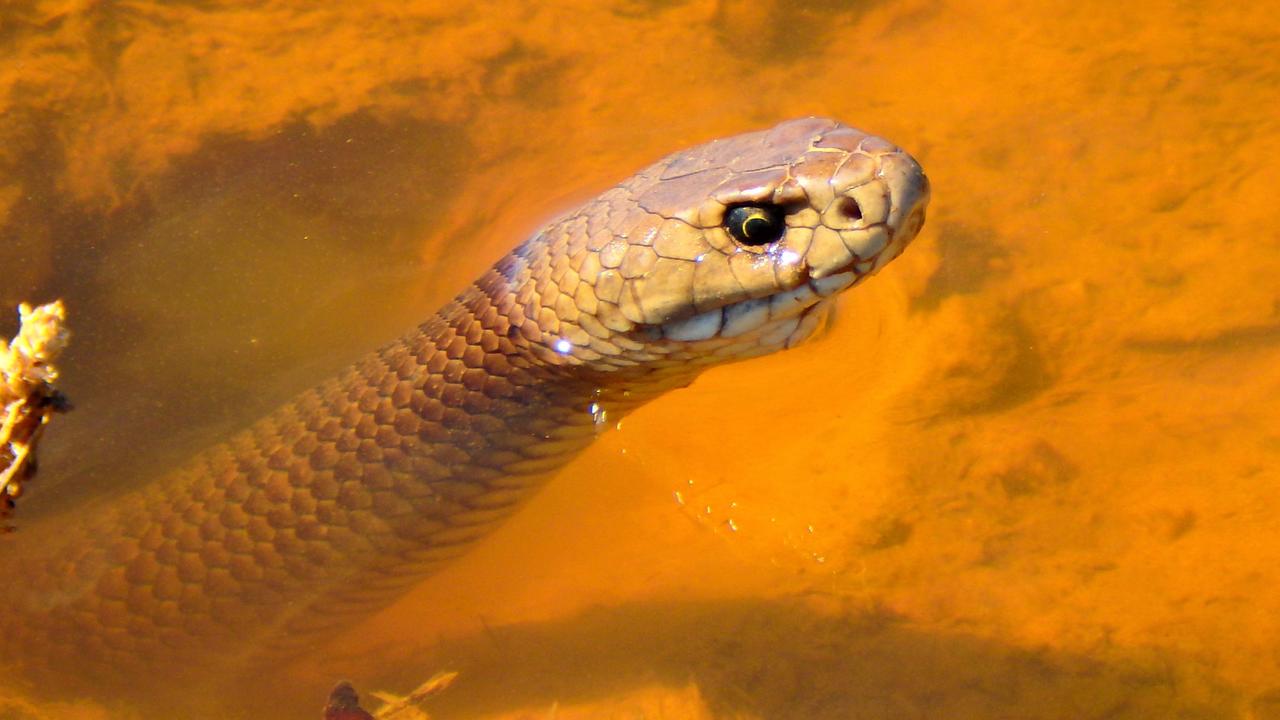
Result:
[789,311]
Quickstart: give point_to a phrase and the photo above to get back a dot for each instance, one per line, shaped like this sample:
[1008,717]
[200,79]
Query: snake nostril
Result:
[850,208]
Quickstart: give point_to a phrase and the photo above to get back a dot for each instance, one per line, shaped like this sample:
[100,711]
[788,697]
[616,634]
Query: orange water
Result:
[1029,473]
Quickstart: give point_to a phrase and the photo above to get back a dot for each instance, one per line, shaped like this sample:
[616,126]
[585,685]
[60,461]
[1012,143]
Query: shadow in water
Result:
[786,659]
[242,274]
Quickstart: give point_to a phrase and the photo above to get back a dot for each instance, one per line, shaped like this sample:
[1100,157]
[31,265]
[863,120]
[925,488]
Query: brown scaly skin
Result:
[357,488]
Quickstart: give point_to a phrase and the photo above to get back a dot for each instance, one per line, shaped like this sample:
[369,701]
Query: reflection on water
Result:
[1030,472]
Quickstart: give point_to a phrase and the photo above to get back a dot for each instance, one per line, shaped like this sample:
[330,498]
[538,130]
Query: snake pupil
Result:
[755,225]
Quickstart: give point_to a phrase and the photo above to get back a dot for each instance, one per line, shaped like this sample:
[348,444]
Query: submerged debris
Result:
[401,707]
[28,397]
[344,703]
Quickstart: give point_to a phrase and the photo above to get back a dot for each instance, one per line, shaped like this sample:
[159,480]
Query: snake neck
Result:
[338,501]
[507,312]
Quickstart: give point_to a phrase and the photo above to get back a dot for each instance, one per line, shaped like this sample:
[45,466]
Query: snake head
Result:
[728,250]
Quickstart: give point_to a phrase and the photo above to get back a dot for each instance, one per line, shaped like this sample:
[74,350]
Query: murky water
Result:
[1030,472]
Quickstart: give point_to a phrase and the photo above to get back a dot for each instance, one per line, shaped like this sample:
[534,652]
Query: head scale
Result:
[728,250]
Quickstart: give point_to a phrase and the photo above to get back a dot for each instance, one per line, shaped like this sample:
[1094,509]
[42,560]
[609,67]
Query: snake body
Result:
[338,500]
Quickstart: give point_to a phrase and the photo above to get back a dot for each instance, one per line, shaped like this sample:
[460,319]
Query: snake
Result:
[339,501]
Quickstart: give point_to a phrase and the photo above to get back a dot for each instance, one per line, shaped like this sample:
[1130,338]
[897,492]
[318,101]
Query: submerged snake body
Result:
[342,497]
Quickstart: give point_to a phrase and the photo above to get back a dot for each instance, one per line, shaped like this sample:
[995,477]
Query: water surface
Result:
[1030,472]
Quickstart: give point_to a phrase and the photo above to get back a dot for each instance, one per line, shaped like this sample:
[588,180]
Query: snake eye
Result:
[755,225]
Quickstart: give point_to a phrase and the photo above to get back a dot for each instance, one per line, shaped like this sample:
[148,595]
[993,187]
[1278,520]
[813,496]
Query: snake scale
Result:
[342,498]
